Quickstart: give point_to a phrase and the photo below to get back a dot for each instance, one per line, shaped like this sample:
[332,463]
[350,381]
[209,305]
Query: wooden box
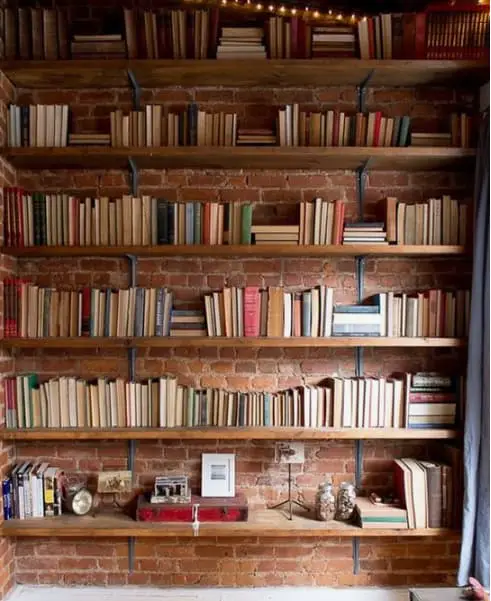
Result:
[211,509]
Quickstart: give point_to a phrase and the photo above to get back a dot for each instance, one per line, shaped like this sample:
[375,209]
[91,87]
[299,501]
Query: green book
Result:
[197,223]
[246,224]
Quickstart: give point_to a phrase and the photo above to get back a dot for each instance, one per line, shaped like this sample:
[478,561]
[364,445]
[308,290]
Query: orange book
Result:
[339,208]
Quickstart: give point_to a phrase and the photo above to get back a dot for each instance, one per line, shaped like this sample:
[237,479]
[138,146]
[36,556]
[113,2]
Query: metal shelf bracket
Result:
[361,180]
[361,91]
[133,169]
[356,555]
[136,90]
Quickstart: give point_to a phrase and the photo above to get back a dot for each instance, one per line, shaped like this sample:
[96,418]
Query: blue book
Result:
[197,223]
[404,131]
[7,499]
[190,223]
[396,131]
[267,408]
[306,313]
[139,297]
[357,309]
[159,315]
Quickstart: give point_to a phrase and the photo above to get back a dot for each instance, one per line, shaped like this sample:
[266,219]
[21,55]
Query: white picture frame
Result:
[218,475]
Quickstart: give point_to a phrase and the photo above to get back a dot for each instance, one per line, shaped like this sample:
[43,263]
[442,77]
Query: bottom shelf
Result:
[273,523]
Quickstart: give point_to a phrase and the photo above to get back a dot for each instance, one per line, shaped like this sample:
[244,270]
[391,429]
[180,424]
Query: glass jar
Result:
[346,501]
[325,502]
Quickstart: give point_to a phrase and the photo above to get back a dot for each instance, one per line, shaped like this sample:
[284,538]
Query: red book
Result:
[376,128]
[420,36]
[294,38]
[86,294]
[297,315]
[371,37]
[206,234]
[408,35]
[252,304]
[338,221]
[432,397]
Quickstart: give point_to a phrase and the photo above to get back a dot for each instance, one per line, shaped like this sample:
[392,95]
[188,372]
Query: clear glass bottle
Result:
[325,502]
[346,501]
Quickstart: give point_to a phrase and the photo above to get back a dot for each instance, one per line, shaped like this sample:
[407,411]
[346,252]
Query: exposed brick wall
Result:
[275,194]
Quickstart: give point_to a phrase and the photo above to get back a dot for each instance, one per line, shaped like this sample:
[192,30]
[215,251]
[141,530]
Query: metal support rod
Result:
[131,554]
[135,87]
[133,176]
[132,261]
[358,462]
[361,92]
[361,177]
[356,555]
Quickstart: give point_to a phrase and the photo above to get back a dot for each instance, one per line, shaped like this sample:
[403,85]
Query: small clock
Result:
[79,501]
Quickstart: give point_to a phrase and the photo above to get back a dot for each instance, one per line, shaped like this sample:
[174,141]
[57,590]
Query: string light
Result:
[282,9]
[316,14]
[294,11]
[259,6]
[271,8]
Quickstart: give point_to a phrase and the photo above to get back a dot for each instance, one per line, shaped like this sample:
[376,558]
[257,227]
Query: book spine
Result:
[162,221]
[251,312]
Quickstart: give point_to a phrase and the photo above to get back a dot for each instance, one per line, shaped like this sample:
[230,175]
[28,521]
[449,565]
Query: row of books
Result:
[32,490]
[433,313]
[33,311]
[155,126]
[61,220]
[434,222]
[445,34]
[421,400]
[38,125]
[336,128]
[321,222]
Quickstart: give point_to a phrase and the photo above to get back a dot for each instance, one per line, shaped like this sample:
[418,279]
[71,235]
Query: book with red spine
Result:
[252,315]
[420,36]
[339,208]
[432,397]
[371,37]
[376,129]
[294,45]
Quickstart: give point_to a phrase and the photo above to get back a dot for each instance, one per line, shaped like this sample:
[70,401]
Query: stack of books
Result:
[38,125]
[364,232]
[357,320]
[93,139]
[431,313]
[435,221]
[187,322]
[431,139]
[462,130]
[333,41]
[433,400]
[427,490]
[379,515]
[335,128]
[32,490]
[36,312]
[279,38]
[241,42]
[34,33]
[256,137]
[98,46]
[252,312]
[216,129]
[275,234]
[321,222]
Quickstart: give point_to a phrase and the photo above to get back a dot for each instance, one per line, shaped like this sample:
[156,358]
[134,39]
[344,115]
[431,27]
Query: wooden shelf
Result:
[228,433]
[222,342]
[273,157]
[261,523]
[199,250]
[242,73]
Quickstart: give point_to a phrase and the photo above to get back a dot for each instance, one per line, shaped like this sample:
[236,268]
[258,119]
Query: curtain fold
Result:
[474,555]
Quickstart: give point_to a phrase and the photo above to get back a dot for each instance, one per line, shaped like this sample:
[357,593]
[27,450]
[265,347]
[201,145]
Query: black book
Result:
[162,221]
[159,320]
[24,125]
[107,313]
[171,209]
[139,297]
[193,124]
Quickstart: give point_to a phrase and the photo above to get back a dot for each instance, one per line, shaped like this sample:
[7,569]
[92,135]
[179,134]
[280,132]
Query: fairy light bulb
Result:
[352,17]
[339,17]
[271,8]
[282,9]
[294,11]
[315,14]
[259,6]
[330,12]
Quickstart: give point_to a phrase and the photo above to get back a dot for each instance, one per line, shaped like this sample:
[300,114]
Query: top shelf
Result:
[109,73]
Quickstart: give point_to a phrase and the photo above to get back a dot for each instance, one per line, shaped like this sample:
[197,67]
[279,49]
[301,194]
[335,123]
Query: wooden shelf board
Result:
[261,523]
[226,433]
[242,73]
[222,342]
[270,250]
[274,157]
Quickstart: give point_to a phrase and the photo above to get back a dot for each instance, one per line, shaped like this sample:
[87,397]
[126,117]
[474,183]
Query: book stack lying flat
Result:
[97,46]
[321,222]
[32,490]
[241,42]
[256,137]
[89,139]
[187,323]
[333,41]
[433,313]
[435,221]
[364,233]
[275,234]
[34,312]
[356,320]
[379,515]
[432,400]
[43,125]
[428,492]
[431,139]
[252,312]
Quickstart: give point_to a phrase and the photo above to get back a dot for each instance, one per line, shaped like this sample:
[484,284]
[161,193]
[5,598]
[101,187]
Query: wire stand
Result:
[290,502]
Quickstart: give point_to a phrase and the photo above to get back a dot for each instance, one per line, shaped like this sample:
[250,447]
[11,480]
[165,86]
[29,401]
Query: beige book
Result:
[157,125]
[125,140]
[127,215]
[104,221]
[148,126]
[50,126]
[136,221]
[41,125]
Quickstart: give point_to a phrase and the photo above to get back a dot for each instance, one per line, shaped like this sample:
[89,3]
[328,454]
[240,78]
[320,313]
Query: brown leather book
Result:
[50,34]
[434,482]
[275,311]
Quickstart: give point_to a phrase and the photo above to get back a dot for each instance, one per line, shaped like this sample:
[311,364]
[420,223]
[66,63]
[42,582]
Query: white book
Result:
[360,404]
[51,141]
[328,313]
[357,318]
[171,401]
[432,409]
[162,402]
[72,402]
[314,331]
[390,314]
[367,404]
[346,420]
[314,402]
[374,400]
[389,404]
[382,409]
[306,406]
[287,317]
[317,220]
[64,125]
[383,314]
[398,412]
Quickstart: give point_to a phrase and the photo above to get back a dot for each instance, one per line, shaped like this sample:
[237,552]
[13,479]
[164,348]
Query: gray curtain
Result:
[474,555]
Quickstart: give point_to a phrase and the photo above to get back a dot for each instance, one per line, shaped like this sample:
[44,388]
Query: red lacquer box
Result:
[211,509]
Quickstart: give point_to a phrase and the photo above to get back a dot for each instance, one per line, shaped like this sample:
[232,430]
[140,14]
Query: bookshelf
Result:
[228,433]
[239,251]
[223,342]
[215,157]
[260,523]
[110,73]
